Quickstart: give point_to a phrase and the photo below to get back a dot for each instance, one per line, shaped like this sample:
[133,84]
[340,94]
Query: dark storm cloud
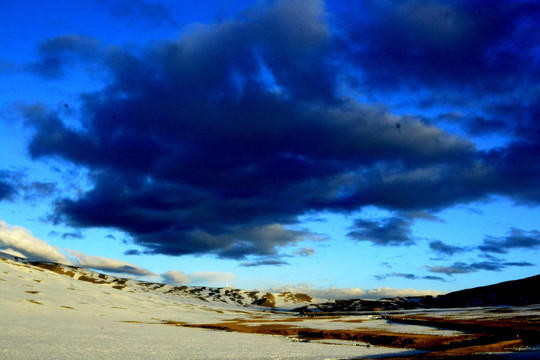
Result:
[461,45]
[442,248]
[478,55]
[219,141]
[394,231]
[463,268]
[517,239]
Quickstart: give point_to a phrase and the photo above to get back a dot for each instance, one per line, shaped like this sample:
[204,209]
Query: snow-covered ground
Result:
[50,335]
[49,311]
[47,314]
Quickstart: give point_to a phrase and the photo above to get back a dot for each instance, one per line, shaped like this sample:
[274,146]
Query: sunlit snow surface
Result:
[45,315]
[73,313]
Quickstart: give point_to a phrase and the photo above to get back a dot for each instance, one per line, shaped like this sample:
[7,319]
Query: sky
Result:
[343,148]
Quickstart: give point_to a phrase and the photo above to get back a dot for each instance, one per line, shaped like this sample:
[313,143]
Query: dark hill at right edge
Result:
[516,292]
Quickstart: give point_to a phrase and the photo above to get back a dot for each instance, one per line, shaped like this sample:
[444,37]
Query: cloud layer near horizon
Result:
[354,293]
[215,278]
[19,241]
[217,142]
[107,264]
[23,242]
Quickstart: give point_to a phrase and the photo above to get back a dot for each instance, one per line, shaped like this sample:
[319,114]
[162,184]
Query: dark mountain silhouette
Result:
[509,293]
[516,292]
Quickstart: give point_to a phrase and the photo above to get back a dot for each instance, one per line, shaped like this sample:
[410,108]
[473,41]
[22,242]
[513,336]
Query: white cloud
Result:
[19,240]
[307,251]
[176,277]
[198,278]
[211,277]
[107,264]
[354,293]
[12,253]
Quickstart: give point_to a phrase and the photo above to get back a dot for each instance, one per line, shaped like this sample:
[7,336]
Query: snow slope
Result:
[54,311]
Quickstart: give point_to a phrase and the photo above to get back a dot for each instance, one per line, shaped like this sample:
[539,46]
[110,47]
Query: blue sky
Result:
[336,147]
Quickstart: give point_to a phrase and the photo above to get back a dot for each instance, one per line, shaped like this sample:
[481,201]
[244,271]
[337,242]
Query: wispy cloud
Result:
[393,231]
[132,252]
[56,53]
[73,235]
[516,239]
[15,185]
[464,268]
[307,251]
[7,190]
[445,249]
[353,293]
[409,276]
[262,262]
[154,13]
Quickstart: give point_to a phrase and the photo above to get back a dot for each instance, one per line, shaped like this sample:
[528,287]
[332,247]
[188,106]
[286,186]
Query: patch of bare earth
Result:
[54,268]
[480,335]
[494,335]
[34,302]
[378,338]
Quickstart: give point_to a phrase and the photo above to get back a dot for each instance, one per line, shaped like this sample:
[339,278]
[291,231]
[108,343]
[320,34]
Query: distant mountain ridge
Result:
[512,293]
[509,293]
[515,292]
[227,295]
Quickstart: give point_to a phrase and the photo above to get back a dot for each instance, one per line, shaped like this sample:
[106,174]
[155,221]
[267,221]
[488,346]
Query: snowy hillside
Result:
[52,311]
[285,300]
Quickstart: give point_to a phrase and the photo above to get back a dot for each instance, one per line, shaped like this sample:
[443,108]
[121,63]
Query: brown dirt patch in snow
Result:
[54,268]
[378,338]
[495,335]
[91,280]
[467,352]
[481,335]
[171,322]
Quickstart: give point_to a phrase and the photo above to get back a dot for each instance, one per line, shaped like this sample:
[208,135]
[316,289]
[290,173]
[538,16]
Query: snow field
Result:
[47,315]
